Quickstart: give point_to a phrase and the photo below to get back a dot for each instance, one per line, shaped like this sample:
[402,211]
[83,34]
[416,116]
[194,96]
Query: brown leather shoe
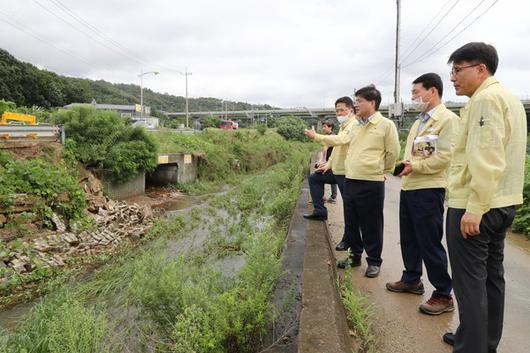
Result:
[403,287]
[437,305]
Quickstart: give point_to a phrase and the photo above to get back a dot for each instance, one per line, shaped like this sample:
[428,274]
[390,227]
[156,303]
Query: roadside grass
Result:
[359,312]
[171,296]
[521,222]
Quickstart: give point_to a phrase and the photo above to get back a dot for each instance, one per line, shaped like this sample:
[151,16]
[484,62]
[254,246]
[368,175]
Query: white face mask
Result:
[342,119]
[419,104]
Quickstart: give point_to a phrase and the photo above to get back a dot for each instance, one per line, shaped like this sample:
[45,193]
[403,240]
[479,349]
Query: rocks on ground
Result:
[114,222]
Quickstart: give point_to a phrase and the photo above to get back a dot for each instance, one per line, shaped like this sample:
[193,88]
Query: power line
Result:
[41,39]
[453,29]
[386,73]
[429,53]
[85,33]
[432,30]
[100,35]
[126,51]
[426,26]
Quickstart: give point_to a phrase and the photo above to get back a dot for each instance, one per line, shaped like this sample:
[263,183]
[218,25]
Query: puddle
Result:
[231,265]
[182,203]
[9,319]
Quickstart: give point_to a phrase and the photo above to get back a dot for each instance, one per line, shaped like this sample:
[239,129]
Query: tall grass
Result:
[173,296]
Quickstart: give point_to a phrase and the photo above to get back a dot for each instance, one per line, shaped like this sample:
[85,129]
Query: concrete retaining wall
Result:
[175,168]
[120,191]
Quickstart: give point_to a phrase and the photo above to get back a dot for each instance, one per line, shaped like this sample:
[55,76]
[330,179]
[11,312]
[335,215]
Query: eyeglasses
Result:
[455,70]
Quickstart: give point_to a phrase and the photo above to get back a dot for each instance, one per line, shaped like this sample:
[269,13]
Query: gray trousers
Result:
[478,279]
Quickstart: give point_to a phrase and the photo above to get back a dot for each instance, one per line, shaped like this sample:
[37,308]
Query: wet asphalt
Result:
[401,328]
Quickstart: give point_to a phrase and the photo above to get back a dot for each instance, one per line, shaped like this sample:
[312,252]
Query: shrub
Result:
[291,128]
[262,129]
[127,159]
[104,142]
[210,121]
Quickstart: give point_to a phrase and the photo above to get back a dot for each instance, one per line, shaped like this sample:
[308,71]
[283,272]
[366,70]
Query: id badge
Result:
[424,146]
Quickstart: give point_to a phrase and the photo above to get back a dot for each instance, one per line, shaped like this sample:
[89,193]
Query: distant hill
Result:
[26,85]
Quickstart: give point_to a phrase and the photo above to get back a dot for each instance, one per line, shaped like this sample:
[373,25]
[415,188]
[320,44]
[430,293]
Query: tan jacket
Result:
[341,141]
[487,167]
[373,149]
[429,170]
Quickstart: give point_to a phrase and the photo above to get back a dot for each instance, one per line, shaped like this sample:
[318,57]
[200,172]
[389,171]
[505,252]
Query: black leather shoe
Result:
[350,261]
[372,271]
[315,217]
[449,338]
[341,246]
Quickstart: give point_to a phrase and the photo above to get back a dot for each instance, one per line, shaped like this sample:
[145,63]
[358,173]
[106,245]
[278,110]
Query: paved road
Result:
[401,327]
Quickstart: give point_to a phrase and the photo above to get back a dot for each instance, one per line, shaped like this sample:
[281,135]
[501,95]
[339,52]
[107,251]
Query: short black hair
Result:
[346,100]
[478,52]
[329,123]
[431,80]
[370,93]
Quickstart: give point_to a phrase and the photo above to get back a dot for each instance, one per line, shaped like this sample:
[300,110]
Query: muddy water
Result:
[181,203]
[9,319]
[401,328]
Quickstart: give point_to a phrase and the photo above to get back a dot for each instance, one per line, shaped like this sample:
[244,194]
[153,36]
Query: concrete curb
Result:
[323,325]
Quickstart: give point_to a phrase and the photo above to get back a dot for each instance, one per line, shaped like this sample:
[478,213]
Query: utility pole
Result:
[141,75]
[397,108]
[186,74]
[397,64]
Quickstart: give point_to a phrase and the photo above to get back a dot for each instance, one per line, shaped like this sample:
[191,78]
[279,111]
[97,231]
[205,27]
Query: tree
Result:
[291,128]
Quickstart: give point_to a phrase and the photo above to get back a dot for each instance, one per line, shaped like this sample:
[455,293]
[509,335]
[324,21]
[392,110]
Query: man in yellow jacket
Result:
[421,206]
[372,152]
[486,179]
[333,170]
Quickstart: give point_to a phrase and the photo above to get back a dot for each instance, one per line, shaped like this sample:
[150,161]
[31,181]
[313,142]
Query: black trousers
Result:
[478,279]
[363,218]
[421,215]
[317,181]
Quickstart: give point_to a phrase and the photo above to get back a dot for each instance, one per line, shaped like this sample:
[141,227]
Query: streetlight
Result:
[141,75]
[186,74]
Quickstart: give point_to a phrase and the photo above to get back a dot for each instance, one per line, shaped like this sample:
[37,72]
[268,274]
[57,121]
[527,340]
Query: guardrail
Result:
[31,132]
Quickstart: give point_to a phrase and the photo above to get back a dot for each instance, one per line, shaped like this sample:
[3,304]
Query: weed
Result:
[359,313]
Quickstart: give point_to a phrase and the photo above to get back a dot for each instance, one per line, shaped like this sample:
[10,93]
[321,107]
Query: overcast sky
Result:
[288,53]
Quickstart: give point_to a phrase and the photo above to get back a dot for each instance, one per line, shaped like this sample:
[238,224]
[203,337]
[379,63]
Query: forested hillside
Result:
[26,85]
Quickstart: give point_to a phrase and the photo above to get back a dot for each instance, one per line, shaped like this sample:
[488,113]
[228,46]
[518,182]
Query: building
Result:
[131,112]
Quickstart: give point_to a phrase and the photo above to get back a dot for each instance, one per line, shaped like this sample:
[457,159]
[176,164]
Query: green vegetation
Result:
[521,223]
[359,313]
[9,106]
[226,153]
[202,286]
[262,129]
[291,128]
[50,182]
[52,188]
[103,142]
[27,85]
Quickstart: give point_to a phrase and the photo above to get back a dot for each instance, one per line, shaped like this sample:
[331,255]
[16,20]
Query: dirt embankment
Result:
[29,244]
